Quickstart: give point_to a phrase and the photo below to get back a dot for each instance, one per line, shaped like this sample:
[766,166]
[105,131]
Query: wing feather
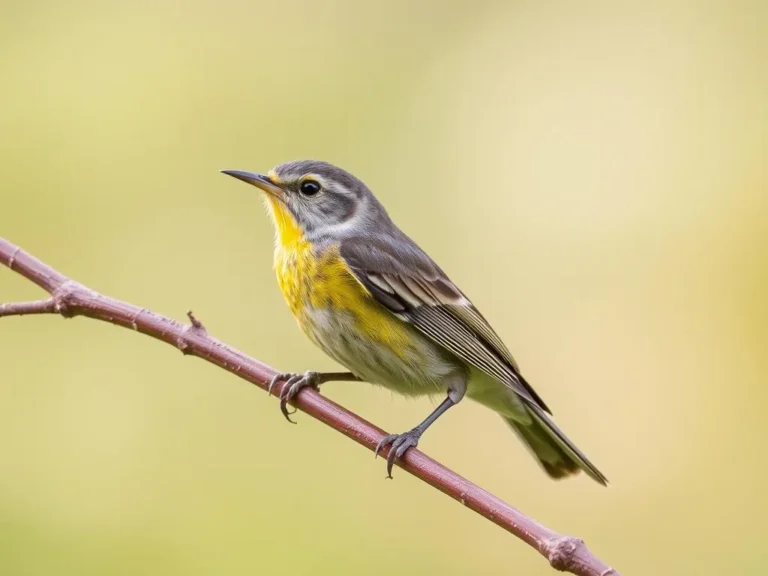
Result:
[407,282]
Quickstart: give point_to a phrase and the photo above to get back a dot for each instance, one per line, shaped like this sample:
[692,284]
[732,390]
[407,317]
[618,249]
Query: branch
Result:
[69,298]
[47,306]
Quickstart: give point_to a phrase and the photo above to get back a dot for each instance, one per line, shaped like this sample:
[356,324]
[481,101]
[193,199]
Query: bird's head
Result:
[311,199]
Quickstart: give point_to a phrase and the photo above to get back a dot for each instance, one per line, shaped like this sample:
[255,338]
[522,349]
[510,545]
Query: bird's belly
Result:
[338,315]
[382,349]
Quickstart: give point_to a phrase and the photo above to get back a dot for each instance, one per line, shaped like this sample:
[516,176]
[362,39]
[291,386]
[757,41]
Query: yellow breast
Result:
[311,281]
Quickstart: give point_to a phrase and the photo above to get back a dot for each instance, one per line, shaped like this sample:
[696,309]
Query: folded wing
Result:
[401,277]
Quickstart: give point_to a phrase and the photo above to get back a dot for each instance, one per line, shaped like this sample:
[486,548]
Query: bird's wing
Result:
[401,277]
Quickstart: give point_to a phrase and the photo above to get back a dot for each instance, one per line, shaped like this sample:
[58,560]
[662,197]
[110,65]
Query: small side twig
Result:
[69,298]
[47,306]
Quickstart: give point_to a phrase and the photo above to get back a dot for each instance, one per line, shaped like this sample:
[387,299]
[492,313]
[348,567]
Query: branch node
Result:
[181,341]
[561,552]
[135,318]
[12,259]
[196,326]
[62,296]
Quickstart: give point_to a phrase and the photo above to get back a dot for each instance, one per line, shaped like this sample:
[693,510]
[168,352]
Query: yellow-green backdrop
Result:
[593,175]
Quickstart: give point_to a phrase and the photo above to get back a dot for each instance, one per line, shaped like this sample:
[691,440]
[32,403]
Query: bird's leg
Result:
[401,442]
[293,383]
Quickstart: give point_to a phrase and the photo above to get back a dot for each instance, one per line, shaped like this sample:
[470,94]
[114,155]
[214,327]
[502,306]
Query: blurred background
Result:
[592,175]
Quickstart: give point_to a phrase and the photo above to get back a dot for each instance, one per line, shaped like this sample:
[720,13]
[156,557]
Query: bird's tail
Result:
[557,455]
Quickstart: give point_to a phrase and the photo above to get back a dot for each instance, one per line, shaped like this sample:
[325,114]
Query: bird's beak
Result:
[258,180]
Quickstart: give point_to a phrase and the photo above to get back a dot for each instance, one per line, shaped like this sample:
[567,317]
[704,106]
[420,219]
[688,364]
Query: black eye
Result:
[309,188]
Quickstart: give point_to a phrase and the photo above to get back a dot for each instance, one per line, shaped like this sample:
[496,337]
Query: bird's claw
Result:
[277,378]
[292,385]
[400,443]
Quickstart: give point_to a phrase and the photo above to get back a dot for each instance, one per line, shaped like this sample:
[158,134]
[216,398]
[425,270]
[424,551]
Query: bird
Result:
[374,301]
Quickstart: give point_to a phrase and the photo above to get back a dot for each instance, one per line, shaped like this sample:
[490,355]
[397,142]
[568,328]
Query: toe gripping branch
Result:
[294,382]
[400,443]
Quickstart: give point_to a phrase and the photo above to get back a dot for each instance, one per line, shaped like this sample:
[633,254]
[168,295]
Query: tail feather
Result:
[555,452]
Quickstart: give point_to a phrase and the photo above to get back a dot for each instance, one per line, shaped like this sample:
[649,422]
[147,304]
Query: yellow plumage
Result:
[311,281]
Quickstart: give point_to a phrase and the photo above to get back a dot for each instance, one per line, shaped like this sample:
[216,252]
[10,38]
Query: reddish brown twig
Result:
[47,306]
[69,298]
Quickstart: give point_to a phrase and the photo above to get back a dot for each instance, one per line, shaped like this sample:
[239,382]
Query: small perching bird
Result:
[369,297]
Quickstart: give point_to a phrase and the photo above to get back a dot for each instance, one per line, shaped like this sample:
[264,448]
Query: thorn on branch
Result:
[196,324]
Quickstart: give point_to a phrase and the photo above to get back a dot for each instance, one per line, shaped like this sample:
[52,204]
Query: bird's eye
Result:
[309,188]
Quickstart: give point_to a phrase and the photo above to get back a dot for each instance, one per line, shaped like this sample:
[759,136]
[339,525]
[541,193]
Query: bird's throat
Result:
[288,234]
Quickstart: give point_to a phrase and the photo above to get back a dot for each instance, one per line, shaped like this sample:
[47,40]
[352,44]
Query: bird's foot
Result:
[293,384]
[399,445]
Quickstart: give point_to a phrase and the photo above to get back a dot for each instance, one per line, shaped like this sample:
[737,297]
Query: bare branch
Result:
[69,298]
[47,306]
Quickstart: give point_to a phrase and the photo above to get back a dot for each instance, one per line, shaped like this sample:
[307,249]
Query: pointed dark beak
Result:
[258,180]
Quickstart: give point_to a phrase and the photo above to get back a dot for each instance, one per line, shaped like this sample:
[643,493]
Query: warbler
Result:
[374,301]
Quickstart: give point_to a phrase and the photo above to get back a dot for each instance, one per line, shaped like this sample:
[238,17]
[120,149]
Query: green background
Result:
[593,175]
